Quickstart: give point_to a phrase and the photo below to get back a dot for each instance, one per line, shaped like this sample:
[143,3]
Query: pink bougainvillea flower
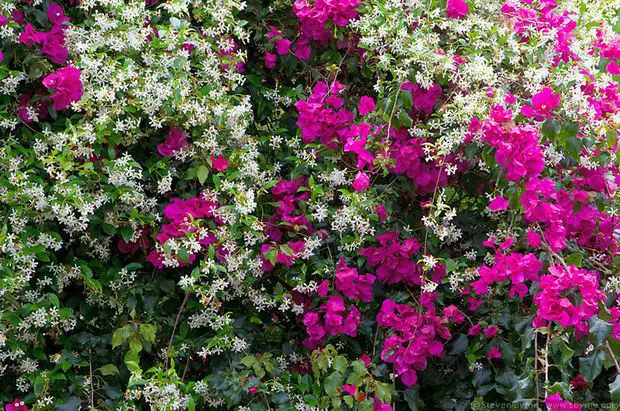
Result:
[323,288]
[414,337]
[507,243]
[219,163]
[66,81]
[29,36]
[499,203]
[533,239]
[367,105]
[273,32]
[543,103]
[475,330]
[424,100]
[37,106]
[494,354]
[556,403]
[362,181]
[569,297]
[490,331]
[18,17]
[303,49]
[381,406]
[336,320]
[515,267]
[283,46]
[353,285]
[52,44]
[456,9]
[349,389]
[127,247]
[16,405]
[364,157]
[174,143]
[270,60]
[579,383]
[381,212]
[56,15]
[453,314]
[613,68]
[517,147]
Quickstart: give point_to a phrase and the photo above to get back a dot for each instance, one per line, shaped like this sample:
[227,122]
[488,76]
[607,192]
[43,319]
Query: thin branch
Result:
[92,389]
[613,357]
[536,367]
[186,367]
[174,329]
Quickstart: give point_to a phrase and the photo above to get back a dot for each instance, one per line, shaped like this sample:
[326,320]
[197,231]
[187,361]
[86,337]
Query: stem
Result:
[186,367]
[92,389]
[174,329]
[536,367]
[374,344]
[547,360]
[613,357]
[553,253]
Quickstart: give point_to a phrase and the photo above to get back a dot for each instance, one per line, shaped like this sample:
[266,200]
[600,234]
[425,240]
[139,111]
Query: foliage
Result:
[318,204]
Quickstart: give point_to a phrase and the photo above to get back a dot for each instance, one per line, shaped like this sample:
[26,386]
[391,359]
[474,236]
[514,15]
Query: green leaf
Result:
[202,174]
[459,345]
[109,369]
[412,396]
[406,96]
[566,352]
[563,388]
[126,233]
[135,345]
[614,390]
[54,300]
[568,139]
[358,367]
[183,255]
[147,331]
[599,330]
[133,266]
[118,337]
[592,365]
[248,360]
[340,363]
[551,128]
[39,382]
[404,119]
[384,392]
[70,404]
[333,383]
[574,259]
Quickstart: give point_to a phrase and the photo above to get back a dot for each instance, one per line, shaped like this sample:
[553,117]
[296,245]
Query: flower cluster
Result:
[309,204]
[52,41]
[517,268]
[337,319]
[314,20]
[568,296]
[414,338]
[353,285]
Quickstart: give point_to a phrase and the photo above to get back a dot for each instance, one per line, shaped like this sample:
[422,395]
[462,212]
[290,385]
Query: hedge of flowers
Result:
[310,204]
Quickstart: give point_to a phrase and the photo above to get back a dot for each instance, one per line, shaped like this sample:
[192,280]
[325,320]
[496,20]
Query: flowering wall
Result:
[309,205]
